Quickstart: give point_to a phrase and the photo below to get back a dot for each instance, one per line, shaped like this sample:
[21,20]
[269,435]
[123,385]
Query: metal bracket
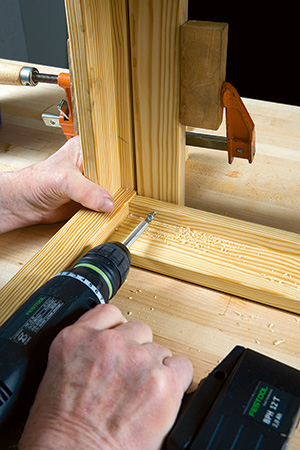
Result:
[239,125]
[66,114]
[51,120]
[240,128]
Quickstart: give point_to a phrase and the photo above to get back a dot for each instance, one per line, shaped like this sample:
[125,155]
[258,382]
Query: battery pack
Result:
[248,402]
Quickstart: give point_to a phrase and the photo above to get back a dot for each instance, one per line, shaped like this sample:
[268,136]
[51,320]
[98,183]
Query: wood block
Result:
[203,67]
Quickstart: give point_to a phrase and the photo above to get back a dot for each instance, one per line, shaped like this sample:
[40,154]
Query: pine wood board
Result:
[159,137]
[101,68]
[83,231]
[205,325]
[218,321]
[91,48]
[240,258]
[123,87]
[266,191]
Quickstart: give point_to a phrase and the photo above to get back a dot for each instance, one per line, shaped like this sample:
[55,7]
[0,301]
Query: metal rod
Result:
[206,141]
[44,78]
[138,230]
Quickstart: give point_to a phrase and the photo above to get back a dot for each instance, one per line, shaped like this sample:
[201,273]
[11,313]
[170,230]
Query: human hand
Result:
[107,386]
[49,191]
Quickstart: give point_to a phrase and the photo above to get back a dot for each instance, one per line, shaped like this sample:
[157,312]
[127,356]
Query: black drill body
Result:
[26,336]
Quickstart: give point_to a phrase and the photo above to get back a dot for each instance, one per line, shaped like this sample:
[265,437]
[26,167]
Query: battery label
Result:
[271,407]
[40,314]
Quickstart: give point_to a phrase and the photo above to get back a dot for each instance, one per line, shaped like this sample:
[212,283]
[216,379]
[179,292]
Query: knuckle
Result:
[110,308]
[139,357]
[64,339]
[143,328]
[110,341]
[160,381]
[62,179]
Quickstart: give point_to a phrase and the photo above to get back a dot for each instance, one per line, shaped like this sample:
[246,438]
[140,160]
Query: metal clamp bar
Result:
[206,141]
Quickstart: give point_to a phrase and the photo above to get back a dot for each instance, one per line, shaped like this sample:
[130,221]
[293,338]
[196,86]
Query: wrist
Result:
[15,212]
[8,187]
[61,433]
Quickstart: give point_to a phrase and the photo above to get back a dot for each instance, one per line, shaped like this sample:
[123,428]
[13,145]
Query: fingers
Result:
[182,369]
[88,194]
[157,351]
[102,317]
[139,332]
[79,188]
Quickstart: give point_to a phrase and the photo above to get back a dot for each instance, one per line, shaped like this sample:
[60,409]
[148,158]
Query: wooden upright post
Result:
[121,105]
[90,34]
[159,137]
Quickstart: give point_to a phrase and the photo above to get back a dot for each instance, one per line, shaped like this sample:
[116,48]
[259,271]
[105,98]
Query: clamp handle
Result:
[239,125]
[12,73]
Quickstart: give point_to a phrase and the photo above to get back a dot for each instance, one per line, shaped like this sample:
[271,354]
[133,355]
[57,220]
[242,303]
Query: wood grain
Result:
[198,322]
[202,68]
[83,231]
[10,72]
[159,138]
[205,325]
[265,192]
[240,258]
[90,34]
[123,86]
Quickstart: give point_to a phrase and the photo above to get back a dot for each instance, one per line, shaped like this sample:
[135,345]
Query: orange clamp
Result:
[239,125]
[66,115]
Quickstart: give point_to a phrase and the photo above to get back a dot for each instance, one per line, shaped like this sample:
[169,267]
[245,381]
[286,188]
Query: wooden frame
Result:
[249,260]
[126,76]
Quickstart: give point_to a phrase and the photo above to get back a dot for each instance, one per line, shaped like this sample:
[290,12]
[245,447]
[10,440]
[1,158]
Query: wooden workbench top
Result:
[200,323]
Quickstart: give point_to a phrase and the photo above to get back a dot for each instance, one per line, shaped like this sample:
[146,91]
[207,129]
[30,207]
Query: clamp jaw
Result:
[65,119]
[240,141]
[240,129]
[239,125]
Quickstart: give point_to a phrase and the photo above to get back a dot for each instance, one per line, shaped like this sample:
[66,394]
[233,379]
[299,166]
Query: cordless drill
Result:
[26,336]
[248,402]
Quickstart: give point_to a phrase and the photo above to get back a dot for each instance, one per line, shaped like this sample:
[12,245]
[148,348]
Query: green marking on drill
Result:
[37,303]
[101,273]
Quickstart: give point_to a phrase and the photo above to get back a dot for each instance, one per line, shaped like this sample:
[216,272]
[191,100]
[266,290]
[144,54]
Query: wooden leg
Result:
[159,137]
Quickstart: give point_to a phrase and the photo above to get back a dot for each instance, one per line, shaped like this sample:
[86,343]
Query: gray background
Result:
[34,31]
[263,42]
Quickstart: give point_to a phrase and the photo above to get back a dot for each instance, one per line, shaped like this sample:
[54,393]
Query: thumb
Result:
[89,194]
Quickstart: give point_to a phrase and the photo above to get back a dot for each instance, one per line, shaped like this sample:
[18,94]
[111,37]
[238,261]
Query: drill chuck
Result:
[105,268]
